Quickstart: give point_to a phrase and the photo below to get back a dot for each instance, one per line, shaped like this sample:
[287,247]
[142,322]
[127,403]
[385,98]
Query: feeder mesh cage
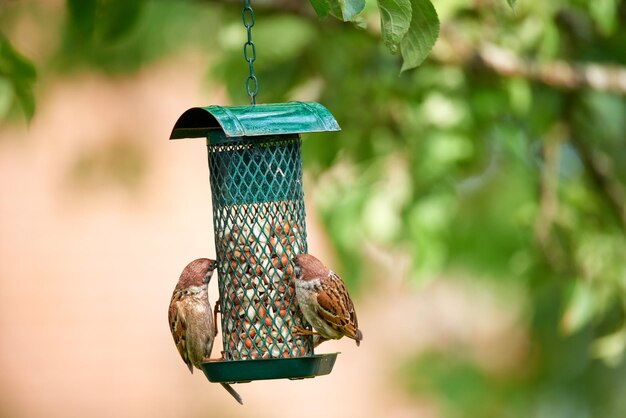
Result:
[259,224]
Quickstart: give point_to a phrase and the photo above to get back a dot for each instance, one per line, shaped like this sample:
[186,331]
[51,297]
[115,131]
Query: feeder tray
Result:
[242,371]
[255,167]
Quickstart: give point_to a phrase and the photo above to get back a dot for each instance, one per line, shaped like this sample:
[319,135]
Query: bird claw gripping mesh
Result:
[259,223]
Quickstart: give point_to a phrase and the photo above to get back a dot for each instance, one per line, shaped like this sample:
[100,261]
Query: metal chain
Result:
[252,84]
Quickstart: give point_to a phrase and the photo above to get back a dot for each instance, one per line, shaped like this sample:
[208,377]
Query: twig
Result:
[548,198]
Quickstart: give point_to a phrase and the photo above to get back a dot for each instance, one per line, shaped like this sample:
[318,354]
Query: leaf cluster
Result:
[408,26]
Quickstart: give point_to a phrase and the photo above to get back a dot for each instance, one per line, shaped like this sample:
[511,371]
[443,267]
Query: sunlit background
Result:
[475,206]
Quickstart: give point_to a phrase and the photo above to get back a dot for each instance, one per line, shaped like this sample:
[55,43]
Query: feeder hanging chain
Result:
[249,51]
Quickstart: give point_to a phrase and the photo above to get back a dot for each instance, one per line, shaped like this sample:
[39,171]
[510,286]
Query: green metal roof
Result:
[262,119]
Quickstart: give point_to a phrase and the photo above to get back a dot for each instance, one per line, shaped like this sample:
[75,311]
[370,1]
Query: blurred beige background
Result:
[99,213]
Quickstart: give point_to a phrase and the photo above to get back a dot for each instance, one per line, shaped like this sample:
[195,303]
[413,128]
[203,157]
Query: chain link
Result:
[249,51]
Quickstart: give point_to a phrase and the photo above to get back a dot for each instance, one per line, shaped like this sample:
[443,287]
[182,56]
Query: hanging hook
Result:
[249,51]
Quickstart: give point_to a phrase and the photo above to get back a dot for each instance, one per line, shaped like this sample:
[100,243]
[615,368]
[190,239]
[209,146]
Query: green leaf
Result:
[346,10]
[6,96]
[610,348]
[109,21]
[422,34]
[26,98]
[118,18]
[395,19]
[322,7]
[82,14]
[21,74]
[511,3]
[605,14]
[580,308]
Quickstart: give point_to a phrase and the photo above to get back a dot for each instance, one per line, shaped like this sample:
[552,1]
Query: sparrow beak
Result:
[296,267]
[207,277]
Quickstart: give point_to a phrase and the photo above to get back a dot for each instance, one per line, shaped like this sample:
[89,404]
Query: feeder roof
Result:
[261,119]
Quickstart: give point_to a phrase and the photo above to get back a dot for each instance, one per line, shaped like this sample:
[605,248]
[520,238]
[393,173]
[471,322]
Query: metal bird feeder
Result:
[255,169]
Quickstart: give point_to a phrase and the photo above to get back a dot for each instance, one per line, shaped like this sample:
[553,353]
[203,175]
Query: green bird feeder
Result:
[255,167]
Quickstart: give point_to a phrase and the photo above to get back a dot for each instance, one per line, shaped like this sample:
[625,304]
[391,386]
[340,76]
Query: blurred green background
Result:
[495,171]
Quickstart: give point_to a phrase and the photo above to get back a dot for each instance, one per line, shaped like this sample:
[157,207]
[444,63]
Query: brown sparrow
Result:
[324,301]
[191,318]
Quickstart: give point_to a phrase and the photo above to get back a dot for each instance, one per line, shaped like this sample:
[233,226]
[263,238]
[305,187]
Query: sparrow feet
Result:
[208,359]
[300,330]
[216,309]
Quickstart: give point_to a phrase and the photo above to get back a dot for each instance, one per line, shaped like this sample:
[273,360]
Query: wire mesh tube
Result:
[259,223]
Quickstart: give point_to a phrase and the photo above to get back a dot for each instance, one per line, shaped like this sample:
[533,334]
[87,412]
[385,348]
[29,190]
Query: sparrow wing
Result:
[336,307]
[178,326]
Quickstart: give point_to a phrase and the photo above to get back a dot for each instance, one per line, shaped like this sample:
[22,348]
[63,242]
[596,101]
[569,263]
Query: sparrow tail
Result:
[232,392]
[359,337]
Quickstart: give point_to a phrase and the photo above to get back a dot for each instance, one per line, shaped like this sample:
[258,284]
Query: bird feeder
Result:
[255,167]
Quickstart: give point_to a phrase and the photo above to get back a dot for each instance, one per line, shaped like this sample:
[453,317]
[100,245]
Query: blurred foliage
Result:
[120,162]
[564,387]
[458,165]
[121,36]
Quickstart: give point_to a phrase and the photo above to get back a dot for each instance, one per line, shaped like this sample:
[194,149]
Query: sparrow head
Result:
[308,267]
[197,273]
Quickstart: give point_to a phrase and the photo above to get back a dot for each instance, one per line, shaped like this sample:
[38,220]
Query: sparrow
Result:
[191,318]
[324,301]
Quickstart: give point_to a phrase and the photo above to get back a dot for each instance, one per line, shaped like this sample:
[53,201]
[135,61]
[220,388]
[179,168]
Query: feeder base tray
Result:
[242,371]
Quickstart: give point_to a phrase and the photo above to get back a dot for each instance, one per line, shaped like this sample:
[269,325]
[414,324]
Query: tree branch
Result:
[300,7]
[452,49]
